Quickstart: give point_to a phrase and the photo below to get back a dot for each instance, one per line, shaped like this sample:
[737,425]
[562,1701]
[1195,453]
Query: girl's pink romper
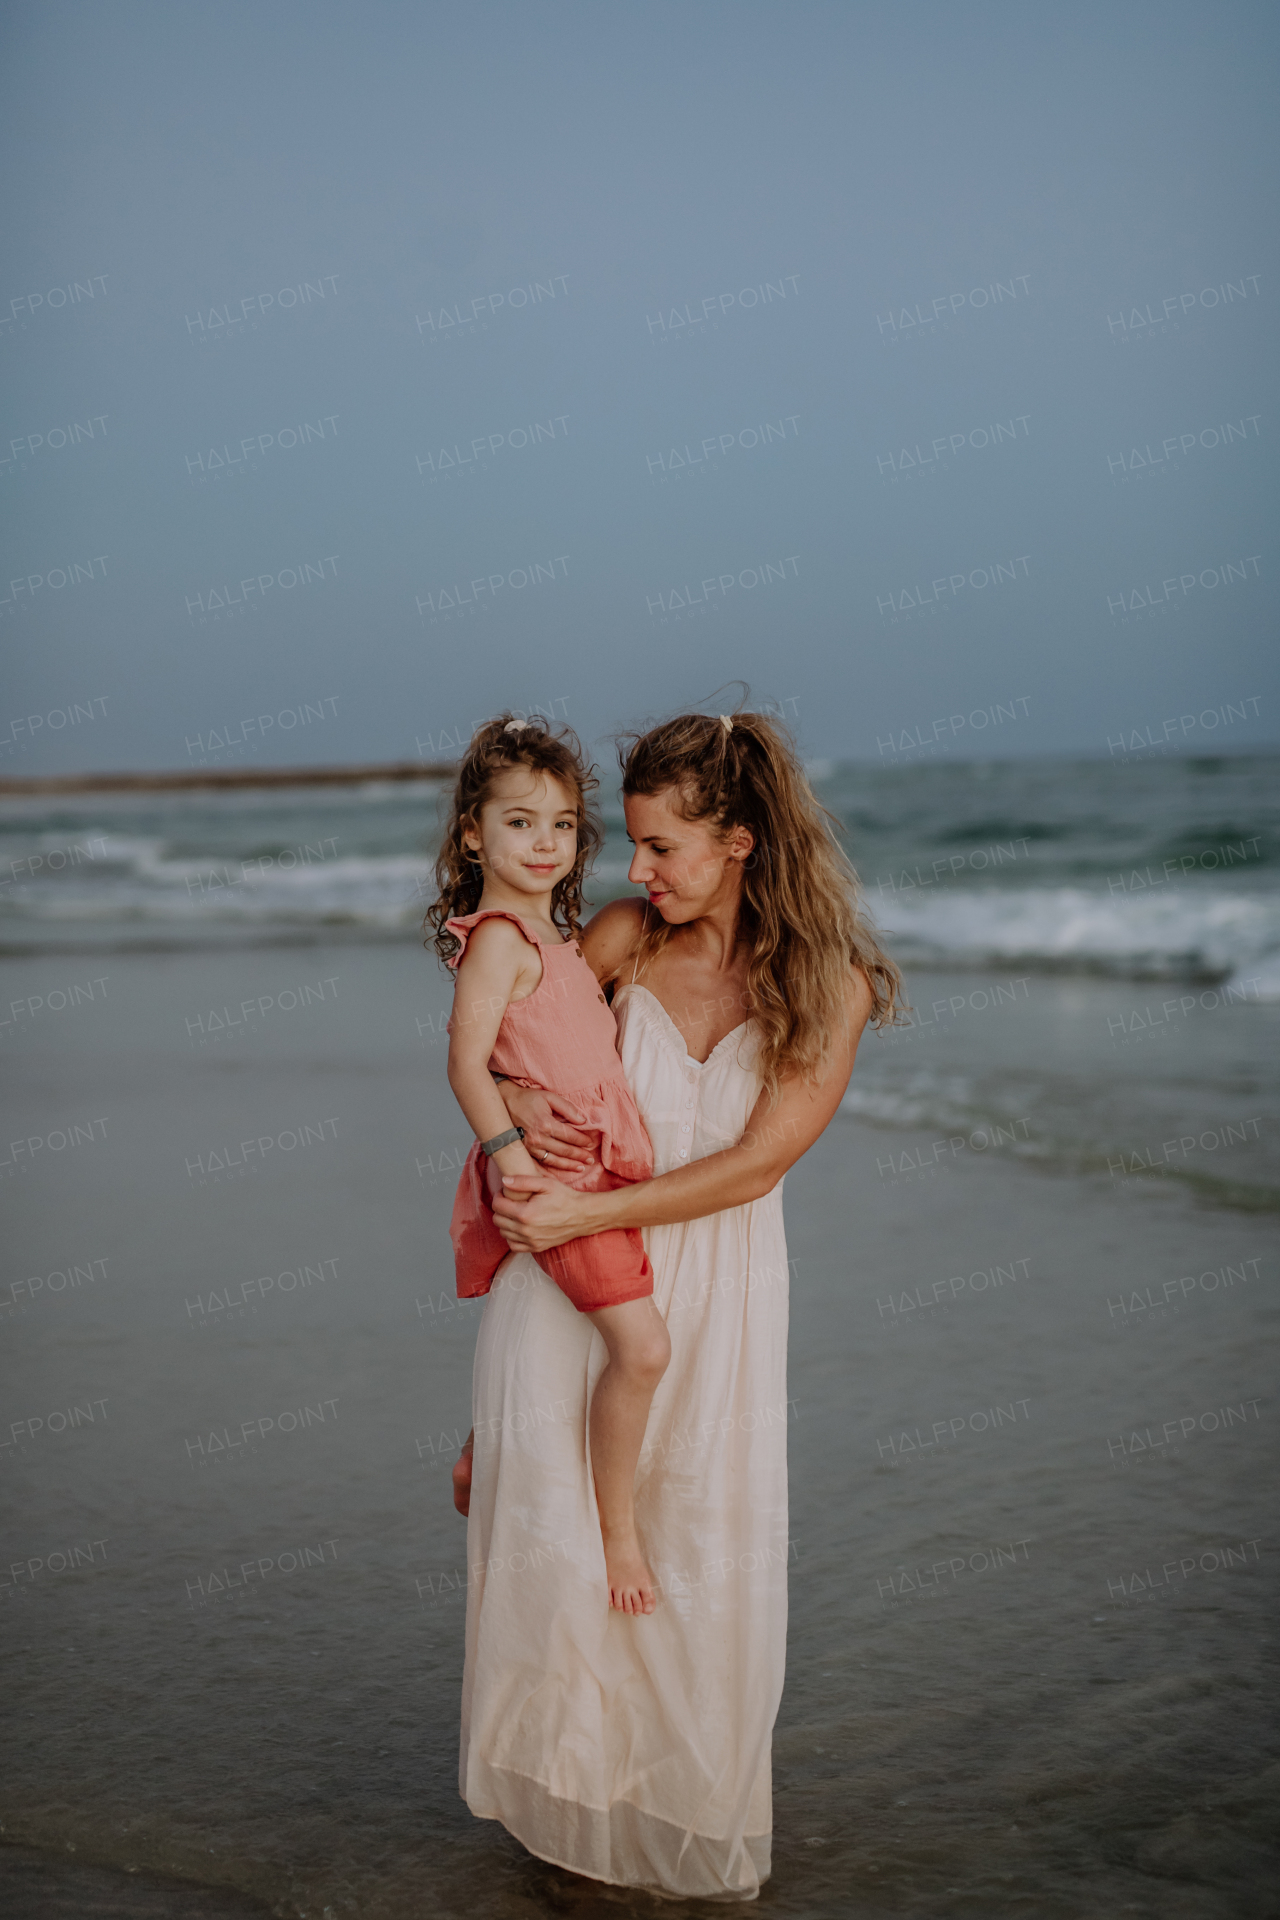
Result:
[562,1038]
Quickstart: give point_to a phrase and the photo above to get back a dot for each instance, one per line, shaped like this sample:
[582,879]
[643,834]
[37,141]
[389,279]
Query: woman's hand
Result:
[552,1132]
[774,1138]
[534,1214]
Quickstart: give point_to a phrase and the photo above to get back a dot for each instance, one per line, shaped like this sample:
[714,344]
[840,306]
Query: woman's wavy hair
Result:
[801,905]
[496,748]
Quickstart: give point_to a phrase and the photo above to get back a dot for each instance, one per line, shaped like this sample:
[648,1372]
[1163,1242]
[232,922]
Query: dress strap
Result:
[644,925]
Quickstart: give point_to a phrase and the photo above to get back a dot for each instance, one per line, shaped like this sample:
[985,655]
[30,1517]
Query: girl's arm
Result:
[774,1139]
[552,1123]
[496,962]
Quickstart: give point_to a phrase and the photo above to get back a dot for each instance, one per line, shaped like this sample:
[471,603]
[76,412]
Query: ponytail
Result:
[801,904]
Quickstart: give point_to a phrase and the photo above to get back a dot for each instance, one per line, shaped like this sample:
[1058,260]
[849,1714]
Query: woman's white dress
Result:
[637,1750]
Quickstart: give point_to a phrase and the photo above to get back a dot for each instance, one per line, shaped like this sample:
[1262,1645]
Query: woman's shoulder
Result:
[611,936]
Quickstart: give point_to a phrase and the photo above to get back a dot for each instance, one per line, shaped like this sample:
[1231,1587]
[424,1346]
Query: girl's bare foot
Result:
[630,1582]
[639,1347]
[462,1479]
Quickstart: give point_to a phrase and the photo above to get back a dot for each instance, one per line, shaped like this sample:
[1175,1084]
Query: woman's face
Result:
[686,867]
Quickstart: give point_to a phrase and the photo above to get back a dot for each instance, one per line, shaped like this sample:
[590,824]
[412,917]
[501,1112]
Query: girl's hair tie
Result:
[515,726]
[726,721]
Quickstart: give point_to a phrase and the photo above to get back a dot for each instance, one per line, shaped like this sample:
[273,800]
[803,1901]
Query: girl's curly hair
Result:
[495,748]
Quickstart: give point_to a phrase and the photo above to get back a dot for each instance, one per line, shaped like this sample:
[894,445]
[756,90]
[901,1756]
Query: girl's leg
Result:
[462,1475]
[639,1351]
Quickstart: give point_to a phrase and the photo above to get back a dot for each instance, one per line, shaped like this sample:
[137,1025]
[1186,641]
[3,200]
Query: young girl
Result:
[527,1007]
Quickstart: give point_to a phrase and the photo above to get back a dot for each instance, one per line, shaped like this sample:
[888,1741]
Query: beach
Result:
[1033,1313]
[846,404]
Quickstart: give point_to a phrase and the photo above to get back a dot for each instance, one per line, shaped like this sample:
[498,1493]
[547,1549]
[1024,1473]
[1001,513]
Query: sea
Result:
[1159,873]
[1031,1386]
[1156,868]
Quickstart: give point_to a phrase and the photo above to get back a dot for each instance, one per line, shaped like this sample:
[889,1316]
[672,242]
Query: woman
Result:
[636,1750]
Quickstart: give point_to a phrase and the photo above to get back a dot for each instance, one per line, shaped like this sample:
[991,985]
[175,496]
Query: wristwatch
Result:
[500,1140]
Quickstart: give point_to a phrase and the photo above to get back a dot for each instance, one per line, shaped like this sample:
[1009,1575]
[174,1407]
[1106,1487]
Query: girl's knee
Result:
[638,1342]
[649,1354]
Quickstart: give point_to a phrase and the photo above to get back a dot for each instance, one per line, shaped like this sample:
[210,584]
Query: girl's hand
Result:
[551,1128]
[534,1214]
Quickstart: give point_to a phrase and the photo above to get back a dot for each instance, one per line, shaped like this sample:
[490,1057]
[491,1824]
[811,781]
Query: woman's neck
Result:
[716,935]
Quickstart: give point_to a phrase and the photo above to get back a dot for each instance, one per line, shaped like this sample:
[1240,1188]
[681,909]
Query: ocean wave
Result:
[1049,1121]
[1196,932]
[1160,872]
[132,882]
[1183,933]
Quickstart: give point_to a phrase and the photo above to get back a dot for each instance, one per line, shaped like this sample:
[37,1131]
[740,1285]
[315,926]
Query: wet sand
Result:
[1029,1651]
[42,1886]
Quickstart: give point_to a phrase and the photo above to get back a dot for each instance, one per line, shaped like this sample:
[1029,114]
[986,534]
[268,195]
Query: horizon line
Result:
[177,779]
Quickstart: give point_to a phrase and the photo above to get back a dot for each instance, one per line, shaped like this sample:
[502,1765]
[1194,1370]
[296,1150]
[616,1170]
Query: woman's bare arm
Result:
[774,1139]
[611,936]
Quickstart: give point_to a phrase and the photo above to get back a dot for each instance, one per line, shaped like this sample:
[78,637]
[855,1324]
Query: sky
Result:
[368,369]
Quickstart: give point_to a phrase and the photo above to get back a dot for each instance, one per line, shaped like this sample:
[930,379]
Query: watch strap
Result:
[500,1140]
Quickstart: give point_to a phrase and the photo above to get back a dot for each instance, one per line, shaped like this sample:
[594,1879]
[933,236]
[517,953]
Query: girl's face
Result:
[527,833]
[687,867]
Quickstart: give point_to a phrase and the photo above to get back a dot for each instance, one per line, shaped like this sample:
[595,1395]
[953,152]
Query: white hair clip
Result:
[726,722]
[515,726]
